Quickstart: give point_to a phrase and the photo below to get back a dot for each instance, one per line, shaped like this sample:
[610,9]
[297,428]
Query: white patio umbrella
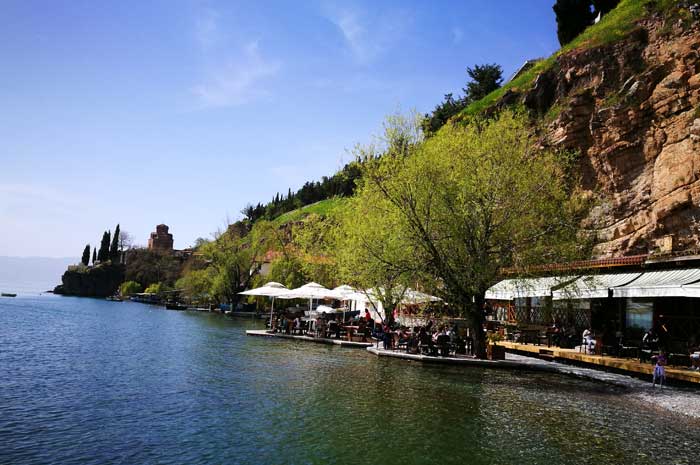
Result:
[343,292]
[271,289]
[308,291]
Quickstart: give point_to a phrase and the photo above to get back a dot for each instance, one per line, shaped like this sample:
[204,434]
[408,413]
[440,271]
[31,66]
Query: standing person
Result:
[659,370]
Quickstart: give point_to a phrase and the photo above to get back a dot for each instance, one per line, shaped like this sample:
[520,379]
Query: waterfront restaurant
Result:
[619,300]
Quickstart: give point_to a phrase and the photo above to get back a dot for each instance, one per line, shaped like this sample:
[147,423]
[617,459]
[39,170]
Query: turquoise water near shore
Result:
[86,381]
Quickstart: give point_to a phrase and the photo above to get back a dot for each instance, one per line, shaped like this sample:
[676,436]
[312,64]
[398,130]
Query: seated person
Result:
[588,341]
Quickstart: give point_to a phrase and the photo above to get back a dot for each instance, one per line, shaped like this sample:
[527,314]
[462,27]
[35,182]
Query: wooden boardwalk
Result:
[317,340]
[627,365]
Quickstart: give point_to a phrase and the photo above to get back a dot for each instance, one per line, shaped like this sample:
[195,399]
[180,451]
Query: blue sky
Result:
[182,112]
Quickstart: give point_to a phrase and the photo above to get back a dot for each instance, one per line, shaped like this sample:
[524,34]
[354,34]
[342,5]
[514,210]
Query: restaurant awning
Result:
[593,286]
[667,283]
[510,289]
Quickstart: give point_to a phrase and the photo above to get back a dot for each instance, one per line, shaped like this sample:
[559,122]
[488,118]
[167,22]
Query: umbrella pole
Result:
[272,309]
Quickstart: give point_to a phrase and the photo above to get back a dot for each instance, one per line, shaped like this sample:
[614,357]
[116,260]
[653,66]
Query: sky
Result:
[182,112]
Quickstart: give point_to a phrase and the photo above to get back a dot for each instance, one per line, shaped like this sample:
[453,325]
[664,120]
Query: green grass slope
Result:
[322,208]
[614,26]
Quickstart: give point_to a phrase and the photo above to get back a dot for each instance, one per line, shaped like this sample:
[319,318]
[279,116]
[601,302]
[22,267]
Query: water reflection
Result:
[90,381]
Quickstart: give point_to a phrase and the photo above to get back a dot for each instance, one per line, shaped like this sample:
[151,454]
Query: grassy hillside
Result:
[322,208]
[614,26]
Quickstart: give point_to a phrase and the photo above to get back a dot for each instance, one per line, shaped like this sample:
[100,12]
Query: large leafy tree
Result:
[370,252]
[470,201]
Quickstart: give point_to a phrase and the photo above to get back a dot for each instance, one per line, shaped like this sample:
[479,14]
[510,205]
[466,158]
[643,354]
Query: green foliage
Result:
[94,255]
[128,288]
[614,26]
[341,184]
[322,208]
[229,264]
[156,288]
[464,204]
[197,283]
[484,79]
[313,243]
[149,266]
[85,260]
[114,248]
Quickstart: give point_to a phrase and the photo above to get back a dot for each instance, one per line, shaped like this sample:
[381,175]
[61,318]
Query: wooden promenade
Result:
[625,365]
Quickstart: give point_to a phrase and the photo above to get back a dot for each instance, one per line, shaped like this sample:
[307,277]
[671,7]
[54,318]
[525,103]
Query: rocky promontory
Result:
[102,280]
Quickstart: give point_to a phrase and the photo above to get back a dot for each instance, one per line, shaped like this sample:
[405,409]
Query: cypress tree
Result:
[114,249]
[103,253]
[86,255]
[573,16]
[94,255]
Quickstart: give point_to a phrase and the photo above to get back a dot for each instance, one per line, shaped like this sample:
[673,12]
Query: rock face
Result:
[632,110]
[99,281]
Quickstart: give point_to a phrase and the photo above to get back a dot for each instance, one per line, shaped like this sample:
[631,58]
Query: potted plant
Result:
[493,350]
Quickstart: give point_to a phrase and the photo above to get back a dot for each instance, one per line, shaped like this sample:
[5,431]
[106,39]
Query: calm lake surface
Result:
[86,381]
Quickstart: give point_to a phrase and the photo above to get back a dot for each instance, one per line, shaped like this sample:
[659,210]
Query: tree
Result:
[103,253]
[126,241]
[150,266]
[86,255]
[114,248]
[129,288]
[470,201]
[484,80]
[603,7]
[573,17]
[371,254]
[442,113]
[94,255]
[232,263]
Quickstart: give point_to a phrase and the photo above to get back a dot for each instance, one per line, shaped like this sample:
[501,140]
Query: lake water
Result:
[86,381]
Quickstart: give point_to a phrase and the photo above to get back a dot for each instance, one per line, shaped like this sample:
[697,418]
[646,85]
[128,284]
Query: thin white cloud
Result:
[457,35]
[237,80]
[368,37]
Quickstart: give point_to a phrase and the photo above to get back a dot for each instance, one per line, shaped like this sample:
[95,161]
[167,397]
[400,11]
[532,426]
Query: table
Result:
[350,331]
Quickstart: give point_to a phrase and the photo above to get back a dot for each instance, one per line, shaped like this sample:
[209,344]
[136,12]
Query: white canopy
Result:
[593,286]
[308,291]
[667,283]
[410,296]
[510,289]
[327,309]
[343,292]
[691,290]
[271,289]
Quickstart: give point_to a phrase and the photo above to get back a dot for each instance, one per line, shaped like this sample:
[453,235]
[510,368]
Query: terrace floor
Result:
[628,365]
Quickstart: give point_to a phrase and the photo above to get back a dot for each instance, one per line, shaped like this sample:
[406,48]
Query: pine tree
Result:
[114,249]
[86,255]
[484,80]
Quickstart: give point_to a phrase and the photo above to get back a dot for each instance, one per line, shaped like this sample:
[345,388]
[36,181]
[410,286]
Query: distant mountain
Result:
[32,274]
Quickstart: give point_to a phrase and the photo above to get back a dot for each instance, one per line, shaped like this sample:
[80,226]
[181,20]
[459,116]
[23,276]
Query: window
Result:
[640,313]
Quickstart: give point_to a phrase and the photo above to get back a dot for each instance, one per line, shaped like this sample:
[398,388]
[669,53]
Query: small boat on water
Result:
[175,306]
[7,294]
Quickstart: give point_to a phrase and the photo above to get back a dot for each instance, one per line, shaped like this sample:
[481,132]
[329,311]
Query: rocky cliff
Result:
[98,281]
[632,109]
